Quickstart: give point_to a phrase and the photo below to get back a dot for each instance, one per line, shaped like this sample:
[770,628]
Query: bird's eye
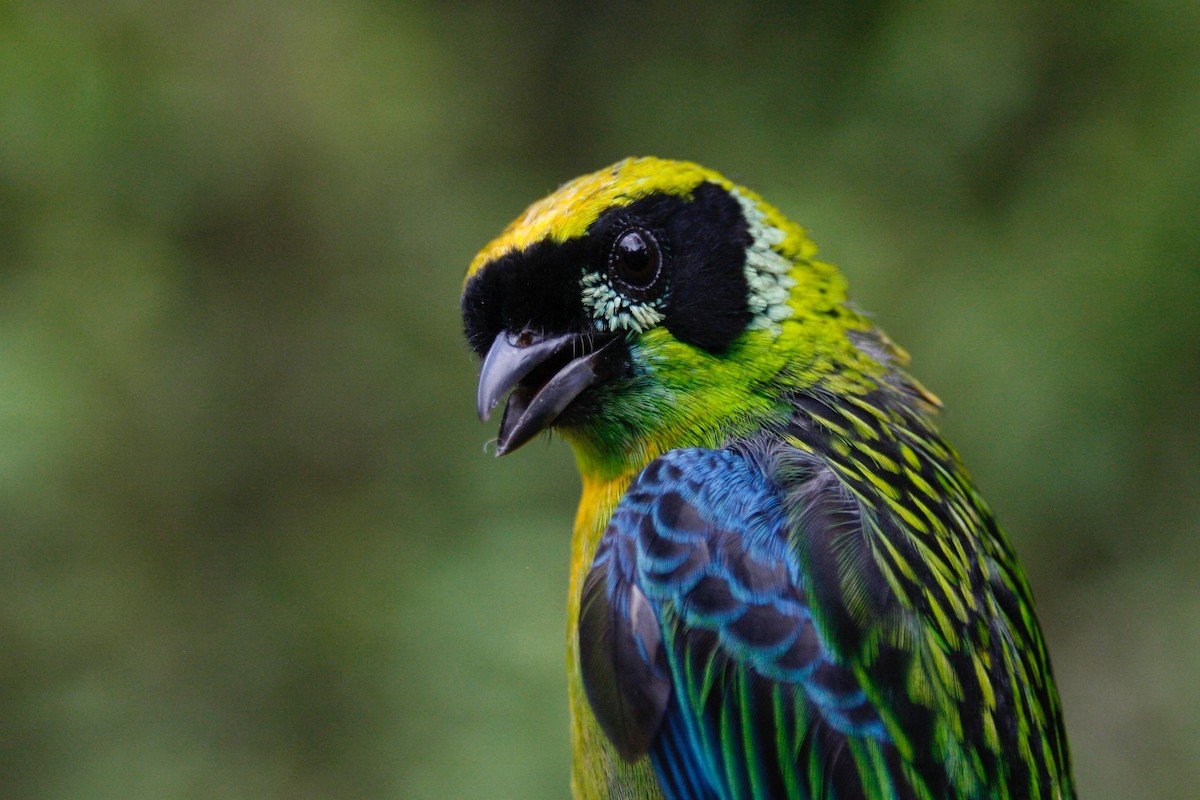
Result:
[636,259]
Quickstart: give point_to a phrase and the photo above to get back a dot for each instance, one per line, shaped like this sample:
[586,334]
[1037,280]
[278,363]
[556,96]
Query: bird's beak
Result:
[545,373]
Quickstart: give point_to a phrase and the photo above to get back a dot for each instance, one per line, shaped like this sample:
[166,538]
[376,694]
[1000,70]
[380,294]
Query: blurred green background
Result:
[251,545]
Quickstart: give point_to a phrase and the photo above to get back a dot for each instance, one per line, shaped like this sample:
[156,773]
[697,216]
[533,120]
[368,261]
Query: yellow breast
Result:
[598,773]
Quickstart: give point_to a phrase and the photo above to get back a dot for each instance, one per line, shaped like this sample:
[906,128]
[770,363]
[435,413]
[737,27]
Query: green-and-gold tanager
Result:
[783,582]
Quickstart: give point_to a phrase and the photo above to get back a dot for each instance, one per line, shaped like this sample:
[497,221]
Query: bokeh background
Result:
[251,544]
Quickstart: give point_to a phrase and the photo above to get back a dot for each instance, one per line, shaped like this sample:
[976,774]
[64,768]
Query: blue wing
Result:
[698,645]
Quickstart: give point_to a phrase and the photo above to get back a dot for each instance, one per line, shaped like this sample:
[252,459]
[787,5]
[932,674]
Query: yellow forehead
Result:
[568,212]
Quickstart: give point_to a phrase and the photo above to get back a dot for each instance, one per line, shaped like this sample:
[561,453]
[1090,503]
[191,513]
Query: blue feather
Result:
[733,660]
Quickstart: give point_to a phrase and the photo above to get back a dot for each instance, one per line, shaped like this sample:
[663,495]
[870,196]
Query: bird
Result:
[783,582]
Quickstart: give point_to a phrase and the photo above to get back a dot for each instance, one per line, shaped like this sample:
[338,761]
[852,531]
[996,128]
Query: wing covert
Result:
[698,645]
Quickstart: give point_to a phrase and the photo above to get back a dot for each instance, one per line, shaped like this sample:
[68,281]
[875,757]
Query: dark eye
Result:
[635,259]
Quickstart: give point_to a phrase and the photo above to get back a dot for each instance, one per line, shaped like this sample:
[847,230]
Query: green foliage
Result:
[250,543]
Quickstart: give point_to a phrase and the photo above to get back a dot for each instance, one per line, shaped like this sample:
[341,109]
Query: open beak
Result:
[545,373]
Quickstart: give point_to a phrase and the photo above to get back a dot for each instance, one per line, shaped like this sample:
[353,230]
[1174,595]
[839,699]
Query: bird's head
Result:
[654,305]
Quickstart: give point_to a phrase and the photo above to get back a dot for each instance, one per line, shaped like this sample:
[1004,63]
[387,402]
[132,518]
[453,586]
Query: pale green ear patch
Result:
[613,311]
[766,268]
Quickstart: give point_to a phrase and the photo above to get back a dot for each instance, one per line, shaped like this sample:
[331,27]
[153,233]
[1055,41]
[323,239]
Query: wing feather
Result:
[716,667]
